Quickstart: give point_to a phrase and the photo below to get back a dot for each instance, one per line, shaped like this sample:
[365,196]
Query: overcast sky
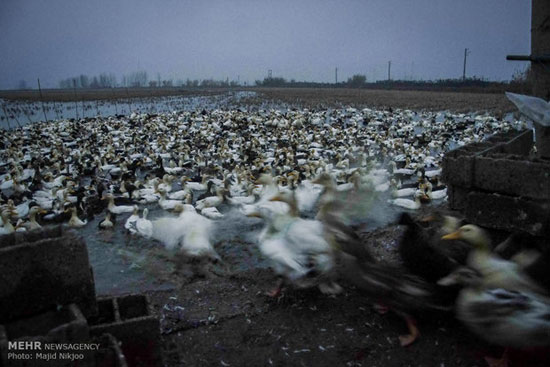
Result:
[301,40]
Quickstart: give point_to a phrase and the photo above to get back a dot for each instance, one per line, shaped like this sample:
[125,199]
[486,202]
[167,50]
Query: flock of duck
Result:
[309,175]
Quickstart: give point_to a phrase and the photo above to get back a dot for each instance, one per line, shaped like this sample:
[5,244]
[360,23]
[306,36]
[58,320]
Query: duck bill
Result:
[450,279]
[276,198]
[452,236]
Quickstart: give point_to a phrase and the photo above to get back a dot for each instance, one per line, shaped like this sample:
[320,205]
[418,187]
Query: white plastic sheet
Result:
[537,109]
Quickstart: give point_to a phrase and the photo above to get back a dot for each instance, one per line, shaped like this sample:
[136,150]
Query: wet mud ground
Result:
[222,317]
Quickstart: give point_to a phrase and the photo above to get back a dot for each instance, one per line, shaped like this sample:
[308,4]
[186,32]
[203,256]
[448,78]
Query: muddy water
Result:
[129,263]
[20,113]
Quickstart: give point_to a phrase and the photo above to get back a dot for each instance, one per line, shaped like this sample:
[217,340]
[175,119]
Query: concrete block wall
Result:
[44,269]
[129,319]
[497,185]
[47,293]
[109,353]
[509,213]
[65,325]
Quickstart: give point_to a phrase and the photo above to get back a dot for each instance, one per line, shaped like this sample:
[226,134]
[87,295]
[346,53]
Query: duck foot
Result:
[381,308]
[406,340]
[498,362]
[275,292]
[331,288]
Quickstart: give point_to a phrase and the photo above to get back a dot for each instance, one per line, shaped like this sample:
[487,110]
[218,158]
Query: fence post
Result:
[42,100]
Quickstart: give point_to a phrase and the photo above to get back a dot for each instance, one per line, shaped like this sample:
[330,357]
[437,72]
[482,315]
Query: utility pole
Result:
[466,53]
[336,76]
[389,70]
[269,74]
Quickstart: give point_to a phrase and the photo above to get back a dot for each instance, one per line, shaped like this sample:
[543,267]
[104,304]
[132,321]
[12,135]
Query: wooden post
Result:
[42,100]
[75,105]
[28,118]
[114,99]
[55,109]
[16,120]
[152,102]
[7,118]
[129,102]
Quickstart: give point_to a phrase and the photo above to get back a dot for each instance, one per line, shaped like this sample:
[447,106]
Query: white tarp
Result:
[537,109]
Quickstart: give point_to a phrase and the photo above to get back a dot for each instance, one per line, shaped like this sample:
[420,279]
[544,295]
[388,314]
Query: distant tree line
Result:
[521,81]
[102,80]
[357,80]
[137,79]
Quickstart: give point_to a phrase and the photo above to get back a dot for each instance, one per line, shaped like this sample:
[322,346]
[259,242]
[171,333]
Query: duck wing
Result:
[505,317]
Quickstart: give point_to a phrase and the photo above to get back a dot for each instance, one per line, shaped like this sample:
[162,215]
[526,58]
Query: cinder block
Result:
[543,140]
[509,213]
[130,320]
[520,144]
[64,326]
[458,164]
[31,236]
[511,136]
[458,197]
[43,269]
[513,175]
[109,353]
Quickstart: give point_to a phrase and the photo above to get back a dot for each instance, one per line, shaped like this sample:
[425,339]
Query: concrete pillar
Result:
[540,46]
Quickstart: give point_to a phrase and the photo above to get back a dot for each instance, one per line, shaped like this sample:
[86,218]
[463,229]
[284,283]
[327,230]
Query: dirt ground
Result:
[495,103]
[227,320]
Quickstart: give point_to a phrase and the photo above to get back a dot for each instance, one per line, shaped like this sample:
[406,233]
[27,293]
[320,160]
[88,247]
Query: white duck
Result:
[8,227]
[407,203]
[167,204]
[75,221]
[434,195]
[297,249]
[197,186]
[212,213]
[196,240]
[211,201]
[107,223]
[130,223]
[117,209]
[32,223]
[180,194]
[143,226]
